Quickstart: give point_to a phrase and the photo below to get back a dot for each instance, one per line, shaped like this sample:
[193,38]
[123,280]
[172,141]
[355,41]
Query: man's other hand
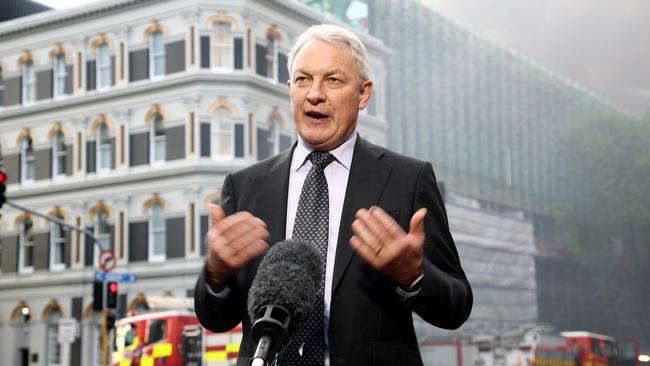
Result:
[232,242]
[382,243]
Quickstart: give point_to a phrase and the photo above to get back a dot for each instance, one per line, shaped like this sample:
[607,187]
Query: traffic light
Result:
[111,295]
[3,187]
[98,295]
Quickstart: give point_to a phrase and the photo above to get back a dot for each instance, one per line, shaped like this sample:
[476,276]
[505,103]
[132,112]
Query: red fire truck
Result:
[592,349]
[172,338]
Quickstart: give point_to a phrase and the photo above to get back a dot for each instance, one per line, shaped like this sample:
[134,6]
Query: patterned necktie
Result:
[307,346]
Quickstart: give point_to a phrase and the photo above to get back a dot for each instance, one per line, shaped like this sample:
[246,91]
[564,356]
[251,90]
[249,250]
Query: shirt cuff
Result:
[412,290]
[222,295]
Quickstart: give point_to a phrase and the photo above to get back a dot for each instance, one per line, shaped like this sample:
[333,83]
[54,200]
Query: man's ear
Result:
[366,93]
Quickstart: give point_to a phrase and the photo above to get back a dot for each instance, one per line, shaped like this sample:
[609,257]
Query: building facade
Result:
[123,118]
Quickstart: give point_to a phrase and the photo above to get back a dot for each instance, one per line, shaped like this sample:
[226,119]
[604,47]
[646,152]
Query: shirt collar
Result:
[343,153]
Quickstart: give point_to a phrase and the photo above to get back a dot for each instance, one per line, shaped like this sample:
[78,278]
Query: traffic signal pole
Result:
[58,221]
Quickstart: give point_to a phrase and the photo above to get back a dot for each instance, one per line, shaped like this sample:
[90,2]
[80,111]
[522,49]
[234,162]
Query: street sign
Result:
[115,277]
[67,330]
[107,260]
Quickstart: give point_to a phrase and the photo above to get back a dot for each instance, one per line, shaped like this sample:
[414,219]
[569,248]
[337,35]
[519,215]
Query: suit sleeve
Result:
[219,313]
[445,298]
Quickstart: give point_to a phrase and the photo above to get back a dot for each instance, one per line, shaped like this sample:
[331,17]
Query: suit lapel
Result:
[274,195]
[368,177]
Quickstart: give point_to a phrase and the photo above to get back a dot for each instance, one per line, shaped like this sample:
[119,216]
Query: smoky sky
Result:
[602,45]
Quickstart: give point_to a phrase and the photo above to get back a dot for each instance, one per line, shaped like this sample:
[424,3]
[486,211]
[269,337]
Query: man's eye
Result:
[333,81]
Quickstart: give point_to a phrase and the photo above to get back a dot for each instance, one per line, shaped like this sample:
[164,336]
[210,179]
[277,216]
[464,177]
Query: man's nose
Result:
[316,94]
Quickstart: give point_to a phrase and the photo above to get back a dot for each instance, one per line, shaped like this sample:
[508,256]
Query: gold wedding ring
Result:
[378,250]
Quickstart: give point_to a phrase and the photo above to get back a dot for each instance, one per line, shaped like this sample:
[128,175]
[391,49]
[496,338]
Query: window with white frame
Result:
[29,82]
[53,354]
[157,232]
[102,233]
[58,155]
[158,140]
[27,170]
[26,244]
[222,134]
[104,148]
[222,45]
[60,75]
[271,58]
[156,55]
[103,67]
[57,247]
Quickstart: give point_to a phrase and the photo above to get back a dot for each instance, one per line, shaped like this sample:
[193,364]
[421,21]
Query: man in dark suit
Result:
[388,251]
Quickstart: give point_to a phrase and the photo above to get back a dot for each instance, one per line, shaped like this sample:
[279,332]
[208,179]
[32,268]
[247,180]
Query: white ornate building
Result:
[123,117]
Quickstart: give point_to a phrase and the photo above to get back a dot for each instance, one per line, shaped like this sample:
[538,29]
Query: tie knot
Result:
[321,159]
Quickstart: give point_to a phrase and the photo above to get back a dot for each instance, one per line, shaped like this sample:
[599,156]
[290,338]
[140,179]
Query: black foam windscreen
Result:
[289,276]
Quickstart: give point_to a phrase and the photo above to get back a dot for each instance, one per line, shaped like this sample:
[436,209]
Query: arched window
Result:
[156,55]
[26,247]
[103,67]
[221,41]
[228,135]
[157,233]
[29,82]
[27,160]
[101,230]
[104,148]
[53,347]
[57,247]
[158,140]
[58,155]
[60,75]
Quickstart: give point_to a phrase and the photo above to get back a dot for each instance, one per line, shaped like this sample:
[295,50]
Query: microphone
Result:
[282,294]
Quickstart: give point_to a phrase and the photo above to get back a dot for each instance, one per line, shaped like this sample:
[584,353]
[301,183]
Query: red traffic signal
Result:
[111,295]
[3,187]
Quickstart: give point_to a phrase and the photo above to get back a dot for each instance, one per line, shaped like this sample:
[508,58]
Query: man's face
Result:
[326,93]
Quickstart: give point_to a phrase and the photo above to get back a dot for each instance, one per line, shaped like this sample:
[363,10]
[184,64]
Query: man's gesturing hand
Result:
[232,242]
[382,243]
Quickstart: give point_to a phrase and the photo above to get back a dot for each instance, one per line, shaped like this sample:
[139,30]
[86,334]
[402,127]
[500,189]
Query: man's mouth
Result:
[316,115]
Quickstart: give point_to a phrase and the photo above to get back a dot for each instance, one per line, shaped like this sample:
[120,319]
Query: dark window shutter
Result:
[283,72]
[204,230]
[260,59]
[175,237]
[13,91]
[138,241]
[9,262]
[68,79]
[12,163]
[67,249]
[205,52]
[113,70]
[239,140]
[175,143]
[239,53]
[91,72]
[43,164]
[263,145]
[139,143]
[44,84]
[175,57]
[89,247]
[112,140]
[41,251]
[139,65]
[205,139]
[90,156]
[69,154]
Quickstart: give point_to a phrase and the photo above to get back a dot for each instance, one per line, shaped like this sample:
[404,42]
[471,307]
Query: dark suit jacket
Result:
[370,324]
